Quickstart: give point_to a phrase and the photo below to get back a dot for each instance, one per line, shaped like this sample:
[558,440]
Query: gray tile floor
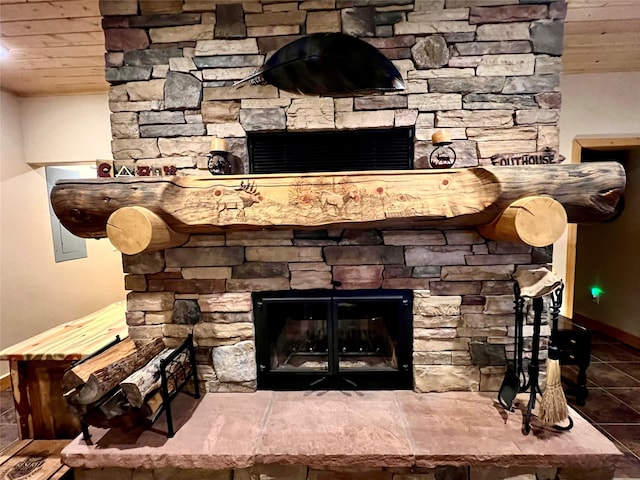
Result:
[8,425]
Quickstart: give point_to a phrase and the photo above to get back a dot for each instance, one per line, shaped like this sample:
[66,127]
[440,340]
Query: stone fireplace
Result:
[489,75]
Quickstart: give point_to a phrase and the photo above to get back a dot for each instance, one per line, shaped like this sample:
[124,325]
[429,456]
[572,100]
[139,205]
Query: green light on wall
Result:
[596,292]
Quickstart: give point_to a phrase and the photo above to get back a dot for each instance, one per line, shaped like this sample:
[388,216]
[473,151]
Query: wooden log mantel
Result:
[588,192]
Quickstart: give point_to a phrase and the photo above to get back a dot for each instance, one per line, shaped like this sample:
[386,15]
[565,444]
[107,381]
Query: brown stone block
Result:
[323,21]
[455,288]
[392,42]
[156,7]
[296,17]
[517,259]
[118,7]
[125,39]
[135,282]
[188,286]
[397,271]
[413,237]
[481,320]
[143,263]
[407,283]
[223,317]
[167,274]
[260,270]
[204,256]
[491,287]
[230,21]
[271,44]
[257,284]
[149,302]
[436,255]
[358,274]
[499,248]
[360,237]
[363,255]
[487,272]
[220,112]
[350,474]
[508,13]
[283,254]
[135,318]
[205,241]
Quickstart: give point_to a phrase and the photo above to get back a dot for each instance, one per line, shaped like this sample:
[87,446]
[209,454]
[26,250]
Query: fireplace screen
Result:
[333,340]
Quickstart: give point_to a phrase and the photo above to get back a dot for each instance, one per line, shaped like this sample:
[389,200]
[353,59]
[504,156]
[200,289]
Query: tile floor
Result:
[613,405]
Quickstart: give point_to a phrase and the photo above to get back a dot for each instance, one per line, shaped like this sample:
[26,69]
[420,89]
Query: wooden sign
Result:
[546,157]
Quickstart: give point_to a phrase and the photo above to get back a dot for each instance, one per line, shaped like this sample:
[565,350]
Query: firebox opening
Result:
[325,339]
[330,151]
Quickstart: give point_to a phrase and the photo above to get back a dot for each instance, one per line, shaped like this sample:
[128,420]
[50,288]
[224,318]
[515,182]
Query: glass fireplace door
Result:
[333,339]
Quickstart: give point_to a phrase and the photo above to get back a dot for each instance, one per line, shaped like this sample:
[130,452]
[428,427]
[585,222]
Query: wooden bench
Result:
[35,460]
[38,363]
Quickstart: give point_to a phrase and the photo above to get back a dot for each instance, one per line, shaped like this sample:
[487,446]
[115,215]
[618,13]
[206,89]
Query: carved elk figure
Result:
[335,201]
[234,201]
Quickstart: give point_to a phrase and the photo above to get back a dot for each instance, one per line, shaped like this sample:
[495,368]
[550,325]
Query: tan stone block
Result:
[235,93]
[294,17]
[548,137]
[439,344]
[435,101]
[318,5]
[280,472]
[405,118]
[503,473]
[491,378]
[184,33]
[226,130]
[537,116]
[442,73]
[205,240]
[280,7]
[265,102]
[310,114]
[195,146]
[143,333]
[501,134]
[143,91]
[124,149]
[356,274]
[447,14]
[437,305]
[460,358]
[283,254]
[446,378]
[493,147]
[237,73]
[429,27]
[135,318]
[432,358]
[204,256]
[157,318]
[483,320]
[343,104]
[176,330]
[498,304]
[181,64]
[118,93]
[226,47]
[546,65]
[226,302]
[433,321]
[476,118]
[366,119]
[503,31]
[429,333]
[220,112]
[427,133]
[324,21]
[507,64]
[135,106]
[243,331]
[149,302]
[309,279]
[257,284]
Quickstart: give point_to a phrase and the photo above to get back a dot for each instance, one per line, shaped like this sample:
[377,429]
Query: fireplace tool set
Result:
[552,410]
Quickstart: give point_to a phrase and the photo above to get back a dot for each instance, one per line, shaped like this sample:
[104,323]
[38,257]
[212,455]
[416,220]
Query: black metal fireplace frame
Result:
[334,379]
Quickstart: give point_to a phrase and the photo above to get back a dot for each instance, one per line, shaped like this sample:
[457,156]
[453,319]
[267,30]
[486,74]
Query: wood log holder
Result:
[174,377]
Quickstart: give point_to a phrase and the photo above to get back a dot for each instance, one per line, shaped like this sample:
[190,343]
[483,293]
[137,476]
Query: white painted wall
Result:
[595,104]
[35,292]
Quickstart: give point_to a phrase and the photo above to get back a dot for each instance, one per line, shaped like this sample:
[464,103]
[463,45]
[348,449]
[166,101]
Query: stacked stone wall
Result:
[463,295]
[487,73]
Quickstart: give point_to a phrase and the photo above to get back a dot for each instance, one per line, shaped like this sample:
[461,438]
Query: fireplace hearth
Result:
[326,339]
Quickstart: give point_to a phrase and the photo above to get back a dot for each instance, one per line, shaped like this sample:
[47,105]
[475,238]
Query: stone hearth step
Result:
[328,430]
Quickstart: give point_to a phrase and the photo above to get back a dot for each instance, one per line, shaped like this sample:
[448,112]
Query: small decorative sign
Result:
[546,157]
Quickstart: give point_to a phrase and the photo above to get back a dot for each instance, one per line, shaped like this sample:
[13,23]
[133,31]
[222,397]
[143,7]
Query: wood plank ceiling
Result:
[57,47]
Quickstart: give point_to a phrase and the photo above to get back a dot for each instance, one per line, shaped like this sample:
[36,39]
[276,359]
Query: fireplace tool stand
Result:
[532,383]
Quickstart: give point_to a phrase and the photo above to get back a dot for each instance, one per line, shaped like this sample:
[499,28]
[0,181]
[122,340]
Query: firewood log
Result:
[144,381]
[141,382]
[105,371]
